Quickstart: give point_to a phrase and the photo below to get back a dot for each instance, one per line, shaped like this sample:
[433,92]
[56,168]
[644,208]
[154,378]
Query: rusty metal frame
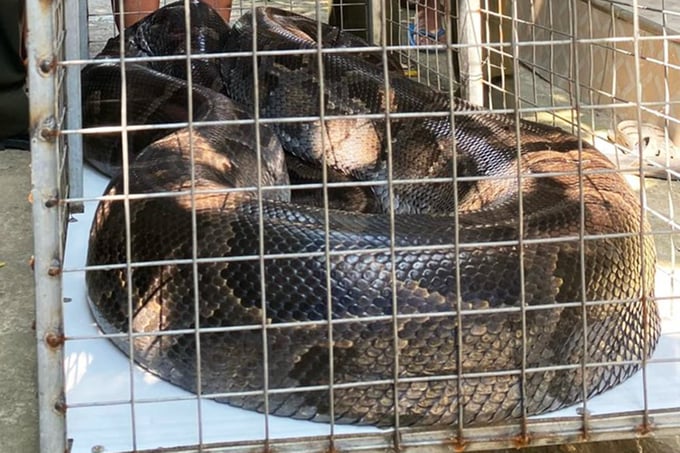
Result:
[45,49]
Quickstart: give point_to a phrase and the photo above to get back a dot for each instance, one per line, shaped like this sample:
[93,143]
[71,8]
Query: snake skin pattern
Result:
[424,297]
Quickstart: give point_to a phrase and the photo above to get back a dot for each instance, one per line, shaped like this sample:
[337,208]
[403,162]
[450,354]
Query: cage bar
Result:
[44,49]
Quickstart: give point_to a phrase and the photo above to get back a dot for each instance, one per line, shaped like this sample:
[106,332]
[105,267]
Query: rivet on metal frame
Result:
[51,202]
[55,340]
[48,129]
[55,268]
[60,404]
[47,65]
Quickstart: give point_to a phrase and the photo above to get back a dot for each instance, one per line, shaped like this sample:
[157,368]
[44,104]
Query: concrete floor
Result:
[18,393]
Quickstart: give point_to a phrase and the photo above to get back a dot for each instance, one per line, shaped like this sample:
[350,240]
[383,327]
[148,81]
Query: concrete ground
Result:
[18,392]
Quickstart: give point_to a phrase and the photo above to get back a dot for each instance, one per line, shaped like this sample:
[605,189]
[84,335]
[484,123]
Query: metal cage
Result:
[605,71]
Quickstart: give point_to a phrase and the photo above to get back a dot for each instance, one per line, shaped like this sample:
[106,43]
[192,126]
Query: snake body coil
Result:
[450,287]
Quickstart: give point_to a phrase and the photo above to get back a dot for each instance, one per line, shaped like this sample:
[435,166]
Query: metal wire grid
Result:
[48,246]
[592,103]
[427,62]
[545,52]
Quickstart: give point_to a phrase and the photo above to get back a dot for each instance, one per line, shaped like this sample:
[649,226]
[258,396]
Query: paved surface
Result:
[659,11]
[18,394]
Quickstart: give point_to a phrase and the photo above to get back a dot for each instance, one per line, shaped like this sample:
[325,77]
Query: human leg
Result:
[223,8]
[134,10]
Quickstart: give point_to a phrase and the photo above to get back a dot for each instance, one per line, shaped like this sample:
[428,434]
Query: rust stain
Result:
[43,125]
[521,440]
[53,271]
[31,263]
[60,406]
[30,197]
[55,340]
[459,444]
[46,6]
[645,428]
[36,118]
[55,268]
[48,133]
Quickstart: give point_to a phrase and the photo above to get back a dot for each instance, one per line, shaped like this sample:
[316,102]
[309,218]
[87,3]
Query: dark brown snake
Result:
[421,281]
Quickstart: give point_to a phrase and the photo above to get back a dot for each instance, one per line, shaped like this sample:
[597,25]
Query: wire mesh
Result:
[590,67]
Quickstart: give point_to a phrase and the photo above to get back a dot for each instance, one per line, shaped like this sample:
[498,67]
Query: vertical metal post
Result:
[75,49]
[470,26]
[374,23]
[377,21]
[42,50]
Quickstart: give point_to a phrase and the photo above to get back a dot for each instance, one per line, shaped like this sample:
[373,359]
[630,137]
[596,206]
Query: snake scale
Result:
[419,268]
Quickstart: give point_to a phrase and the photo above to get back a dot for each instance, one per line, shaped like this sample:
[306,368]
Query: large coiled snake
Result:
[421,280]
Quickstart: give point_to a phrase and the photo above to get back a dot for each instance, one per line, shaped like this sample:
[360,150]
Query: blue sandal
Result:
[413,34]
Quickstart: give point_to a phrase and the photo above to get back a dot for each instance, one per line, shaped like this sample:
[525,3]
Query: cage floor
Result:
[100,382]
